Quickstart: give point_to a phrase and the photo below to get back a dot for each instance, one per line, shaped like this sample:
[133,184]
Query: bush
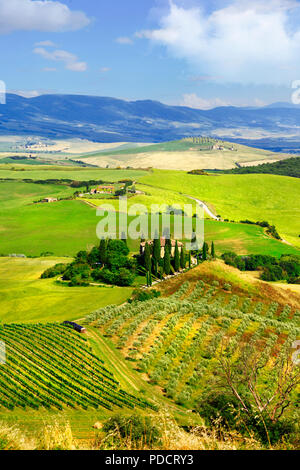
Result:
[56,270]
[142,295]
[135,429]
[77,270]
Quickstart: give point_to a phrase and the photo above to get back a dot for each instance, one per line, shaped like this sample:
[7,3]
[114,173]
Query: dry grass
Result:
[55,436]
[11,438]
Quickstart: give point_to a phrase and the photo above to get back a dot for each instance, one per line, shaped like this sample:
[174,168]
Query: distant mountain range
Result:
[274,127]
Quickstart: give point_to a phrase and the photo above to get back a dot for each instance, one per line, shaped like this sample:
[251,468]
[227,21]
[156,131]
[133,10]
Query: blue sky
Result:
[184,52]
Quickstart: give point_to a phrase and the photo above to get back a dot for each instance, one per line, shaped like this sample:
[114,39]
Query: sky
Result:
[197,53]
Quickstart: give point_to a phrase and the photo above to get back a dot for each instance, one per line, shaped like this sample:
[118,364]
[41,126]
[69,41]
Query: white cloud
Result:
[40,15]
[70,60]
[191,100]
[105,69]
[245,42]
[124,40]
[45,44]
[28,93]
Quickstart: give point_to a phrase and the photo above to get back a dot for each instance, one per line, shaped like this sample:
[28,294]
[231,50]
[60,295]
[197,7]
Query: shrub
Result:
[135,429]
[54,271]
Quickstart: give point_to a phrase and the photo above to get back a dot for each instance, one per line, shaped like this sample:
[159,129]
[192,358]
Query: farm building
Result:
[49,199]
[106,189]
[162,246]
[75,326]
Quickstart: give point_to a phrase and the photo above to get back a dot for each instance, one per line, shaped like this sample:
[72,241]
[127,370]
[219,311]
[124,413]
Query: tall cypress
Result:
[204,251]
[147,257]
[156,249]
[176,258]
[102,251]
[182,258]
[168,245]
[212,250]
[190,260]
[167,265]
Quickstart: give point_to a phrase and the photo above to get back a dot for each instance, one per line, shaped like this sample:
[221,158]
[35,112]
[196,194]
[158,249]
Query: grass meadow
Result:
[238,197]
[24,297]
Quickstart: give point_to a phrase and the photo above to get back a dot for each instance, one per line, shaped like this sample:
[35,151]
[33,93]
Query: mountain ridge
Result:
[108,119]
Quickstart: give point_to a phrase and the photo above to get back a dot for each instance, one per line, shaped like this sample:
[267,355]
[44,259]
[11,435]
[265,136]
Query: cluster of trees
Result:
[108,263]
[271,229]
[287,267]
[197,172]
[288,167]
[153,263]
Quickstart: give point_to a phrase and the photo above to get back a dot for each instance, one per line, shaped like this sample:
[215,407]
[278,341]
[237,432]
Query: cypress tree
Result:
[168,245]
[167,266]
[182,258]
[177,258]
[102,251]
[155,266]
[156,249]
[150,279]
[147,257]
[190,260]
[204,252]
[213,254]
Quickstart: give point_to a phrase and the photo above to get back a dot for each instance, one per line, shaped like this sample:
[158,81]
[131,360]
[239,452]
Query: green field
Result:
[66,227]
[21,172]
[24,297]
[151,196]
[238,197]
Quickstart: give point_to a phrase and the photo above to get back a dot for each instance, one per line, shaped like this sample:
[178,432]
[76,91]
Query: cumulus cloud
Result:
[245,42]
[39,15]
[191,100]
[70,61]
[125,41]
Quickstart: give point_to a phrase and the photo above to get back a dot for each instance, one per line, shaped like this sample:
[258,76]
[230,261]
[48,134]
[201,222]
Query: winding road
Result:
[204,207]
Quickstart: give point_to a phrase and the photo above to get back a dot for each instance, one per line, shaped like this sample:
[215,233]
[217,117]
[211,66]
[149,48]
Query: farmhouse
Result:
[106,189]
[162,246]
[49,199]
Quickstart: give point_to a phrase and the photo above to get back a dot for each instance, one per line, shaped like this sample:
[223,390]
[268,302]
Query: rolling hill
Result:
[185,154]
[113,120]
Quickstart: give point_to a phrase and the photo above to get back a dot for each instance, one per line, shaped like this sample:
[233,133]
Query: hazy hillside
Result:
[114,120]
[186,154]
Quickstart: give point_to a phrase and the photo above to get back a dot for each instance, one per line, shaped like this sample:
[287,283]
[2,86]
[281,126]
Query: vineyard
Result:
[52,366]
[177,340]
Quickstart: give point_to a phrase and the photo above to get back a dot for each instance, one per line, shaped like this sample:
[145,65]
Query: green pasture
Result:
[24,297]
[237,197]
